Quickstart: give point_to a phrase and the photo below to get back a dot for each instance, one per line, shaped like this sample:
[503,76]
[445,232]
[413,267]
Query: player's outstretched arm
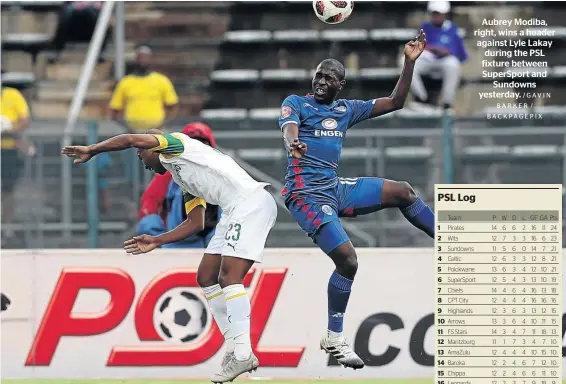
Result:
[82,154]
[145,243]
[396,100]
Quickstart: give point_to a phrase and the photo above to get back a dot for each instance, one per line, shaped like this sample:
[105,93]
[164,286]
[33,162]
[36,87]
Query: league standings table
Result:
[498,294]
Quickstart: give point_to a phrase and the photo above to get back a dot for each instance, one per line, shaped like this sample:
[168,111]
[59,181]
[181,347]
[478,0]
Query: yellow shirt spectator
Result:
[15,111]
[143,100]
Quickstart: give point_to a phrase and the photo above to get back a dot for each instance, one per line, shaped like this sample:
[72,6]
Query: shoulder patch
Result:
[285,111]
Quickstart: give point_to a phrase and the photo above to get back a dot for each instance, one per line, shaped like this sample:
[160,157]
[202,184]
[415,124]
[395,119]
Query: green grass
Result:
[101,381]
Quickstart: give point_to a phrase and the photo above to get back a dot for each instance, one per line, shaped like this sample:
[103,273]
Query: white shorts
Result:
[242,233]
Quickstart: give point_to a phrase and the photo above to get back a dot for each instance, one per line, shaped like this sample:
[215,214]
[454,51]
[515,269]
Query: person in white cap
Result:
[443,56]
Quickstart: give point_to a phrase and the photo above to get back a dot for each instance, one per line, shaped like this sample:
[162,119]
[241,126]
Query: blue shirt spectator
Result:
[445,36]
[442,58]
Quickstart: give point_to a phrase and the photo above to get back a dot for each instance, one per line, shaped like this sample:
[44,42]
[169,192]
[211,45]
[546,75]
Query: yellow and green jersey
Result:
[191,202]
[204,172]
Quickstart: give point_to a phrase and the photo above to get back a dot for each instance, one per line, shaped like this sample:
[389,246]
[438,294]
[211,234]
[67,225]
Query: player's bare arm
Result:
[291,139]
[82,153]
[396,100]
[146,243]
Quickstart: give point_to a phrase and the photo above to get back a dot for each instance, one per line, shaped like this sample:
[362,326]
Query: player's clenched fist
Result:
[414,48]
[298,149]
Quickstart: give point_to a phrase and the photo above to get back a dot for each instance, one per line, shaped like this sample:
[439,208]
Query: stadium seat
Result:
[284,75]
[419,154]
[559,71]
[34,6]
[401,35]
[296,35]
[235,75]
[224,114]
[264,114]
[336,35]
[247,36]
[255,154]
[548,110]
[32,43]
[379,73]
[486,153]
[535,152]
[360,153]
[393,34]
[19,80]
[407,112]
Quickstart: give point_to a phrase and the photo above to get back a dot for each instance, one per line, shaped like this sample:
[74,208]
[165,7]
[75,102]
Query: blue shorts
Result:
[319,216]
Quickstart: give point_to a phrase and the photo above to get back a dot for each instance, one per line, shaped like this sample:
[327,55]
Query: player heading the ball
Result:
[248,213]
[314,127]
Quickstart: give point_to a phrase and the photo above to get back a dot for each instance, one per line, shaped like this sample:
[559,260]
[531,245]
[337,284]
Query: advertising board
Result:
[101,313]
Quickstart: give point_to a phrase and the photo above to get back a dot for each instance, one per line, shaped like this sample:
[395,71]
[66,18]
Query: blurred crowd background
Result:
[219,72]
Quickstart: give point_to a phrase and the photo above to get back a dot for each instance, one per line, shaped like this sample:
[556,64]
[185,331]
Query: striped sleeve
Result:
[168,145]
[191,202]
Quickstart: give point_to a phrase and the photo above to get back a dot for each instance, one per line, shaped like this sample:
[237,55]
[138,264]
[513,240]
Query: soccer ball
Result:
[333,12]
[180,316]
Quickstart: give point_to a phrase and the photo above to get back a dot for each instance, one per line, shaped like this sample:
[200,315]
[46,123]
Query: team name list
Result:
[498,293]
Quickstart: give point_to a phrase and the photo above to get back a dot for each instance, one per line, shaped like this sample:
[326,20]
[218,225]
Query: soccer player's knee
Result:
[406,195]
[349,266]
[225,278]
[206,277]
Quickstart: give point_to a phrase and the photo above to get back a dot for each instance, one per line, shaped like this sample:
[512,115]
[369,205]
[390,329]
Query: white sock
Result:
[334,335]
[217,305]
[239,308]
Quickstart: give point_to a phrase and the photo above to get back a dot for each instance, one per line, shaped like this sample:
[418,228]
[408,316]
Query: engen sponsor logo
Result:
[59,321]
[329,126]
[321,133]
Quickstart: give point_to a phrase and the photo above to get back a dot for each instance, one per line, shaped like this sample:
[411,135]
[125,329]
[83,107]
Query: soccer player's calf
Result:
[220,279]
[368,195]
[400,194]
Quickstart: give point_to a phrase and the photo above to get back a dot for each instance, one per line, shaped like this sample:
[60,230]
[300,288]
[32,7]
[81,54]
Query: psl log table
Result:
[498,294]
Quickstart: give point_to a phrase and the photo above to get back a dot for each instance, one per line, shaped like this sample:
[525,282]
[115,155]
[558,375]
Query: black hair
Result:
[335,66]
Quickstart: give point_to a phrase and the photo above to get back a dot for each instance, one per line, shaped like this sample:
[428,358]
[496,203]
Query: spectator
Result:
[162,206]
[15,118]
[77,20]
[444,53]
[144,99]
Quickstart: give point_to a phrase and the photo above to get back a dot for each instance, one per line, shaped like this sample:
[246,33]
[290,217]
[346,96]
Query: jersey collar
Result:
[330,106]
